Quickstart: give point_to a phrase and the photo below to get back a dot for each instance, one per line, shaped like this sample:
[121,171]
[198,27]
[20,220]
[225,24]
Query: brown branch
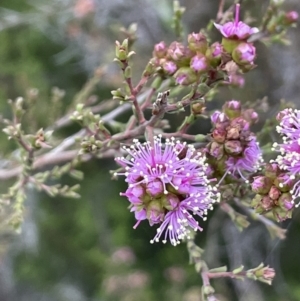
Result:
[134,92]
[59,155]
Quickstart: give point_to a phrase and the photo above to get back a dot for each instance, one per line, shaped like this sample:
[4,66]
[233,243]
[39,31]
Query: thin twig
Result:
[220,10]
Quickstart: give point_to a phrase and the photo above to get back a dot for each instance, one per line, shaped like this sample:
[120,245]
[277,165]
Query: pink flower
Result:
[237,30]
[168,186]
[289,160]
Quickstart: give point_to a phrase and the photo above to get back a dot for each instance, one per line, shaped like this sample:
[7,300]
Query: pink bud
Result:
[291,17]
[237,80]
[261,184]
[199,63]
[170,67]
[176,51]
[274,193]
[185,76]
[244,54]
[155,188]
[197,42]
[219,135]
[160,50]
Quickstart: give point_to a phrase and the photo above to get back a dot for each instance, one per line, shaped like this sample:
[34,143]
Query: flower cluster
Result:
[187,63]
[233,149]
[273,193]
[235,35]
[289,160]
[167,186]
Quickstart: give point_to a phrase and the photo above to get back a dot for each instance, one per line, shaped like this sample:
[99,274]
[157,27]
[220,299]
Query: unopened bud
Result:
[283,182]
[176,51]
[216,150]
[199,63]
[261,185]
[155,212]
[233,147]
[232,108]
[244,54]
[214,54]
[286,201]
[233,133]
[170,67]
[160,50]
[274,193]
[219,135]
[271,170]
[185,76]
[197,42]
[290,17]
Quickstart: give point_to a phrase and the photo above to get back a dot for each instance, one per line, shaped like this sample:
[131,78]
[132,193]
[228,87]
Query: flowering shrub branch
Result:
[173,184]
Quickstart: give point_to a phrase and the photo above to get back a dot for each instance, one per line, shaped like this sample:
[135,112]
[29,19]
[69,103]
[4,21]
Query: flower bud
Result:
[236,80]
[197,42]
[160,50]
[262,273]
[155,188]
[216,150]
[155,212]
[261,185]
[283,182]
[241,123]
[233,147]
[170,67]
[271,170]
[218,116]
[185,76]
[170,201]
[274,193]
[233,133]
[290,17]
[267,275]
[199,63]
[267,203]
[176,51]
[244,54]
[232,108]
[140,214]
[198,108]
[219,135]
[286,201]
[214,54]
[284,209]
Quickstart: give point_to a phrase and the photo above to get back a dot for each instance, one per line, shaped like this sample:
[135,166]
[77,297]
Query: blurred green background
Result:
[86,249]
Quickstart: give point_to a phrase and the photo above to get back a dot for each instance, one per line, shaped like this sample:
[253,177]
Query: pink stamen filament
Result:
[237,14]
[137,223]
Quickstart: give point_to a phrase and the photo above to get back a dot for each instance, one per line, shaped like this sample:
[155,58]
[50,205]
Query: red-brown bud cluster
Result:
[230,138]
[273,193]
